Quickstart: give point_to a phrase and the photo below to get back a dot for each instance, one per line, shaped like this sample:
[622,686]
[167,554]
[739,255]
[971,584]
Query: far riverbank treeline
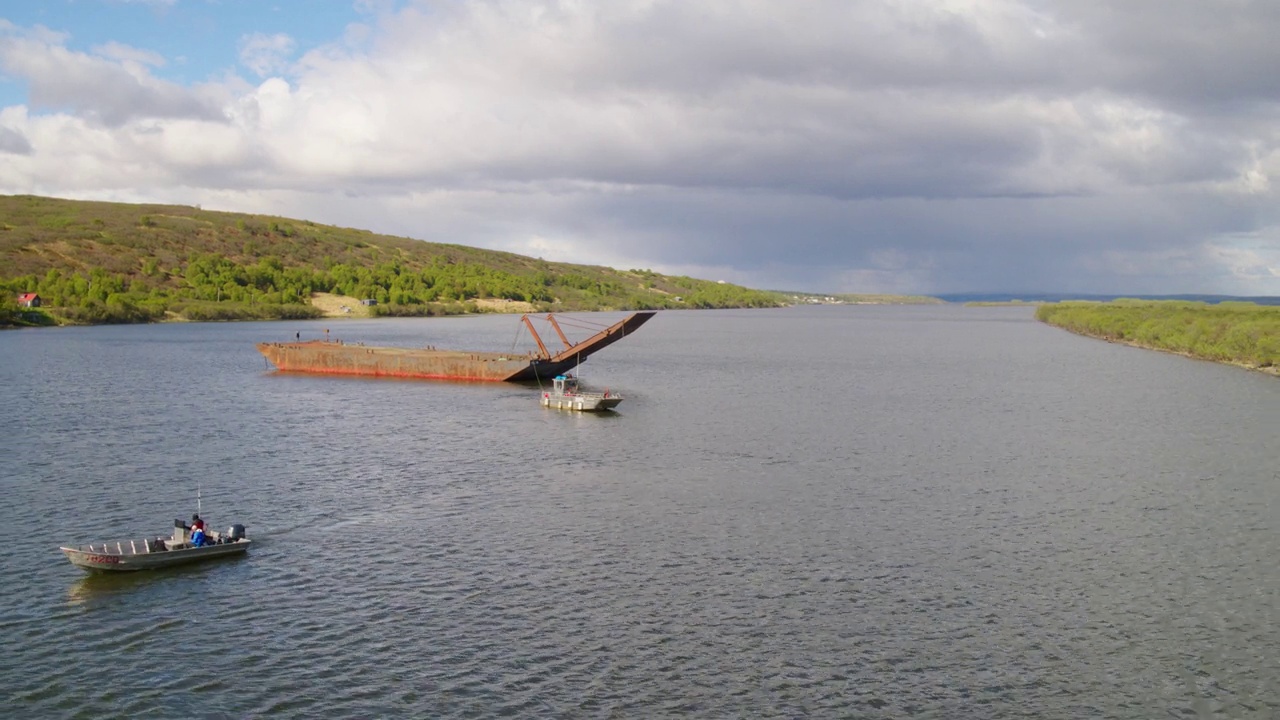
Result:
[96,262]
[1233,332]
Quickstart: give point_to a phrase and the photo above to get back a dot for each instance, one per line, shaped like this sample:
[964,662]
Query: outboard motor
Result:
[235,533]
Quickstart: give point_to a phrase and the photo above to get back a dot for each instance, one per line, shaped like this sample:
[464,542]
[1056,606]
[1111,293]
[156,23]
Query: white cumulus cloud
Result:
[266,54]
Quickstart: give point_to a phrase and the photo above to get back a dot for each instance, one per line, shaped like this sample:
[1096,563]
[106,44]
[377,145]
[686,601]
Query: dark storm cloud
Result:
[1142,243]
[1201,57]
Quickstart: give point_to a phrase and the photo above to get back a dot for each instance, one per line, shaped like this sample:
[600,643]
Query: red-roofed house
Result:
[29,300]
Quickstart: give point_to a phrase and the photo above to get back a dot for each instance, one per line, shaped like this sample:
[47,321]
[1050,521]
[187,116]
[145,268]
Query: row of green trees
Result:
[1236,332]
[214,287]
[216,278]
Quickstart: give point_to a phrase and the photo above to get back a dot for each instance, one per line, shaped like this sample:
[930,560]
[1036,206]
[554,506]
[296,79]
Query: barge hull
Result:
[337,358]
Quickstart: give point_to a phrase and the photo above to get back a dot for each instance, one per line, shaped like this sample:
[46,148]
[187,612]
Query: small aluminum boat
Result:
[159,552]
[566,395]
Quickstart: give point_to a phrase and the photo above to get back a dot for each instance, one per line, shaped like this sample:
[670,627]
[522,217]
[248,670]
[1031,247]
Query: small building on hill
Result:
[29,300]
[368,302]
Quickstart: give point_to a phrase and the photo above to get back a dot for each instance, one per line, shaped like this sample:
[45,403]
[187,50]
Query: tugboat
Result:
[566,395]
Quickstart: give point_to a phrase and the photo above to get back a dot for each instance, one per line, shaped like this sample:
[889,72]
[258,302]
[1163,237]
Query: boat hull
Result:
[123,560]
[580,402]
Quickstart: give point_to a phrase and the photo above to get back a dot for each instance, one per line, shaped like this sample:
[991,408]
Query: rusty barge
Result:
[339,358]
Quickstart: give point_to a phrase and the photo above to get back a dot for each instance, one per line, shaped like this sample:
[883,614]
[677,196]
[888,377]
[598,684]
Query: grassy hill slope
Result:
[116,262]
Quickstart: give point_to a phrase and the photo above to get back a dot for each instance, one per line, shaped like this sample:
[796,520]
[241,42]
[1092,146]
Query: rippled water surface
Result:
[875,512]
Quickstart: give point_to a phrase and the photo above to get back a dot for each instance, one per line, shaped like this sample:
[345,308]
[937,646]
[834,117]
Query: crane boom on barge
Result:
[338,358]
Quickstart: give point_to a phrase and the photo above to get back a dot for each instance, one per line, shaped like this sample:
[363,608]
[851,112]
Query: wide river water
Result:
[835,511]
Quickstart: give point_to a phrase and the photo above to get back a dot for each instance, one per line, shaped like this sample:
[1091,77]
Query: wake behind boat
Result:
[159,552]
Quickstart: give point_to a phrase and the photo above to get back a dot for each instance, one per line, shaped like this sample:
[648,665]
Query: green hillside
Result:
[95,262]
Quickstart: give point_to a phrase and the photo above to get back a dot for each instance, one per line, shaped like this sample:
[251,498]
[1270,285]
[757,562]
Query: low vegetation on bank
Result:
[98,262]
[1233,332]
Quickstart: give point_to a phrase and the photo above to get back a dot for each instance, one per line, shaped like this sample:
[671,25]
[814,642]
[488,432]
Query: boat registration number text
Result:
[104,559]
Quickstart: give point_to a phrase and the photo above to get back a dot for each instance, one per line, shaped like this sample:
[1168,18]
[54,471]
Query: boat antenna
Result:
[199,511]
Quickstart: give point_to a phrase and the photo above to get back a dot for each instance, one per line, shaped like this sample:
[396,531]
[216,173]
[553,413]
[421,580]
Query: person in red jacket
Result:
[197,531]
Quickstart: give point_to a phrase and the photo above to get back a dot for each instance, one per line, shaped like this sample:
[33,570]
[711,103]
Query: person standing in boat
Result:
[197,531]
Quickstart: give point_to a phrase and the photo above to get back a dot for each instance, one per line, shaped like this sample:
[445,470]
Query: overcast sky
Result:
[904,146]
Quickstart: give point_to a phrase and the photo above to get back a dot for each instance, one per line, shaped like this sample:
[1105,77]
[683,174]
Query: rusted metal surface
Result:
[604,338]
[551,319]
[337,358]
[534,332]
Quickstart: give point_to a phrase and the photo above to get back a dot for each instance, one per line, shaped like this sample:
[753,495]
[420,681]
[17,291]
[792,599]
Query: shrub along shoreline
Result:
[1237,333]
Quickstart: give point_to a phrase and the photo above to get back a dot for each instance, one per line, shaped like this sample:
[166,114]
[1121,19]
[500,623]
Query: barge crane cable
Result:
[516,339]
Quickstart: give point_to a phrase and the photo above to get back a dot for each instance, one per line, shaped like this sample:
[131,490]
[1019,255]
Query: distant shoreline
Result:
[329,306]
